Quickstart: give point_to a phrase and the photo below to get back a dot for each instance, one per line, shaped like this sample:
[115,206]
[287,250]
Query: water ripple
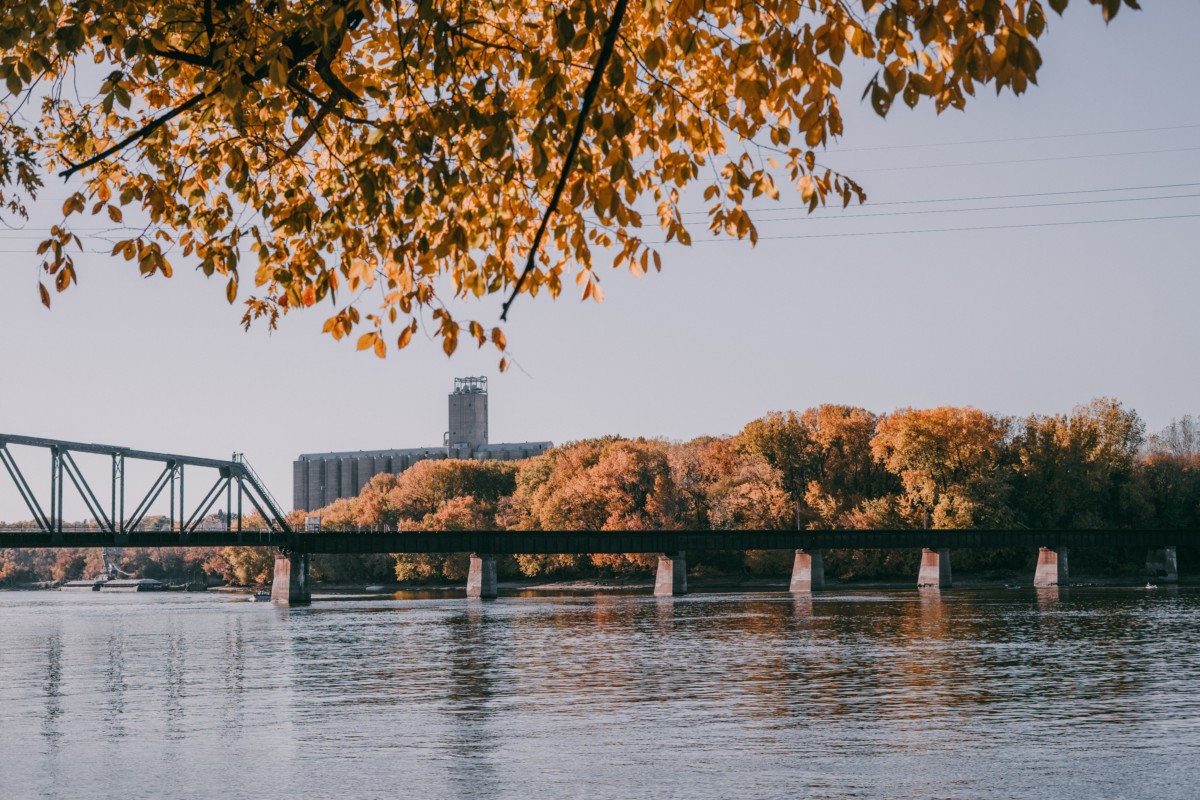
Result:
[967,694]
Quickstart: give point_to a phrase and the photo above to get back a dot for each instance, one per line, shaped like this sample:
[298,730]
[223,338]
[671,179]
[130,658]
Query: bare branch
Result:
[585,109]
[138,135]
[180,56]
[310,129]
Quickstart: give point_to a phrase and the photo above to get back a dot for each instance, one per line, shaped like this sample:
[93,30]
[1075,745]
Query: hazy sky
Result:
[1009,319]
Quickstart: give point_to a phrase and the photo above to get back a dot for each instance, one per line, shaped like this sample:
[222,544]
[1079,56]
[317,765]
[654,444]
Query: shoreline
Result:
[714,584]
[695,584]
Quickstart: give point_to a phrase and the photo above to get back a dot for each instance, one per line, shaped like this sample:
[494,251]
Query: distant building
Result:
[320,478]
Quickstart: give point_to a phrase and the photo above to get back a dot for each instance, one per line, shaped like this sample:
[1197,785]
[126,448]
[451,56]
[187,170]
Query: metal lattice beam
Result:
[233,475]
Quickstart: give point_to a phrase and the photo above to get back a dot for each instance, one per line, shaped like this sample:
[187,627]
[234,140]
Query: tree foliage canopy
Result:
[437,151]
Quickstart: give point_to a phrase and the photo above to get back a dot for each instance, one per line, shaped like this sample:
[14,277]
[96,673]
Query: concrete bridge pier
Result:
[1162,565]
[1051,567]
[808,572]
[289,584]
[672,574]
[935,570]
[481,578]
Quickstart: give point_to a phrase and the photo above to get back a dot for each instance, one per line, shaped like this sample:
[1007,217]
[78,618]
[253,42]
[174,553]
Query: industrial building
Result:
[320,478]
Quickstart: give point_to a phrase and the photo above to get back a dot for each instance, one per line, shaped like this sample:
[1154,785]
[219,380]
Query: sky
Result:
[1030,305]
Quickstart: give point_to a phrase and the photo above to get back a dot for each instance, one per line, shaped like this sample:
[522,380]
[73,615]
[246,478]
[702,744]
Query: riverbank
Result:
[710,584]
[700,583]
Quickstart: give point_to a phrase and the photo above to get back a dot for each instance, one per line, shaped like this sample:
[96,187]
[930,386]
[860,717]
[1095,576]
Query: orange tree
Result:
[444,150]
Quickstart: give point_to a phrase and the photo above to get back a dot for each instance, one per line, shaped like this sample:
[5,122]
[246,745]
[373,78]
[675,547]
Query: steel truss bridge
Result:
[551,542]
[119,517]
[119,514]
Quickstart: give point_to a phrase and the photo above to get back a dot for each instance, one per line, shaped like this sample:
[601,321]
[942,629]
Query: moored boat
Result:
[83,585]
[133,585]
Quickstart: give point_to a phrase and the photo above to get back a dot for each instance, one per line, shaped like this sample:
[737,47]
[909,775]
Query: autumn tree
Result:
[951,463]
[1077,470]
[374,507]
[600,484]
[825,459]
[424,489]
[696,466]
[1168,477]
[446,151]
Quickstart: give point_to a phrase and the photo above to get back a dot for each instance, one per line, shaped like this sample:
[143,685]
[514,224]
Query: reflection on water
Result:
[1076,693]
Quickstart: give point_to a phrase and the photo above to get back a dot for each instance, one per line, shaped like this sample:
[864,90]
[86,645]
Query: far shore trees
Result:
[827,467]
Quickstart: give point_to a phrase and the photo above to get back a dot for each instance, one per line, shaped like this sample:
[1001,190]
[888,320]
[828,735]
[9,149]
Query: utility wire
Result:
[959,199]
[949,230]
[724,240]
[1010,139]
[851,215]
[979,208]
[857,170]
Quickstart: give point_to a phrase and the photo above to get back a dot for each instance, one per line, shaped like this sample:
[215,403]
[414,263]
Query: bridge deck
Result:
[549,542]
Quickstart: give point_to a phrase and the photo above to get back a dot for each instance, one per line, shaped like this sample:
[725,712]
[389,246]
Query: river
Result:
[1087,693]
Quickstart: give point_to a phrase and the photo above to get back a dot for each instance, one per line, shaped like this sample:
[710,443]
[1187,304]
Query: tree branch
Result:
[138,135]
[180,56]
[585,108]
[301,43]
[310,129]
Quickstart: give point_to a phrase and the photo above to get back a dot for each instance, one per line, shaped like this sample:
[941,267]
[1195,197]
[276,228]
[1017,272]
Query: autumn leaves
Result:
[449,153]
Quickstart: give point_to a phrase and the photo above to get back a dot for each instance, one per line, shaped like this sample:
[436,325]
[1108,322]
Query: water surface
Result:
[1085,693]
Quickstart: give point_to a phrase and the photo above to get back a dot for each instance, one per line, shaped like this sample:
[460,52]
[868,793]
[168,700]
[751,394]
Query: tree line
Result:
[833,466]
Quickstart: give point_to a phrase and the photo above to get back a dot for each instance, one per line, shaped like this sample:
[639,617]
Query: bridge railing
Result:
[653,541]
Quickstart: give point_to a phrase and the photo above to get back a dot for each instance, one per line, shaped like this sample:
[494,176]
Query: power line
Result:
[949,230]
[890,233]
[1012,139]
[982,208]
[857,171]
[973,198]
[980,197]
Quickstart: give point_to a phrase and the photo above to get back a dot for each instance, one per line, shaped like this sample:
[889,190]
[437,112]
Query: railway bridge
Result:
[234,484]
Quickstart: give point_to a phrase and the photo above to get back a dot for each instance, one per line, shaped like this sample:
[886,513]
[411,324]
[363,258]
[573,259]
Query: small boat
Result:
[133,585]
[262,597]
[85,585]
[1151,585]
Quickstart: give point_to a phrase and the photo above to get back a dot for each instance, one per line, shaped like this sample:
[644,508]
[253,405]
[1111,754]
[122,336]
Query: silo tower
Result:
[468,417]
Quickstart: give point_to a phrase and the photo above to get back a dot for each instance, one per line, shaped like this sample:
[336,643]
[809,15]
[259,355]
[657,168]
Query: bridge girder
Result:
[235,478]
[552,542]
